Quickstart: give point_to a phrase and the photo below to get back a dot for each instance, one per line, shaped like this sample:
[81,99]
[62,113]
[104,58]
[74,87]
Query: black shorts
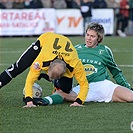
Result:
[64,83]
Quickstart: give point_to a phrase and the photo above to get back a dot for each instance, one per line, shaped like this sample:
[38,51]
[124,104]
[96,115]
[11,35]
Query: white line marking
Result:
[5,64]
[11,52]
[125,65]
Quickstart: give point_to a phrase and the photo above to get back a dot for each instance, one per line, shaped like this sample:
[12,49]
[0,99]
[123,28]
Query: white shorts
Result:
[101,91]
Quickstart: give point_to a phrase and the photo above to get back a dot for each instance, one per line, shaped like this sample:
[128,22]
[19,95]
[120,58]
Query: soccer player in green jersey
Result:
[56,56]
[97,58]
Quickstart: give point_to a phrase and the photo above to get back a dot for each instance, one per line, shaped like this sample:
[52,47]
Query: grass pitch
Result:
[93,118]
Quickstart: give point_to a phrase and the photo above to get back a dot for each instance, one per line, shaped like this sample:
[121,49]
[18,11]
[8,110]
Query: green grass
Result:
[93,118]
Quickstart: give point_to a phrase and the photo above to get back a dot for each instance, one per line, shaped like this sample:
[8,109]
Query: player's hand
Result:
[76,104]
[29,105]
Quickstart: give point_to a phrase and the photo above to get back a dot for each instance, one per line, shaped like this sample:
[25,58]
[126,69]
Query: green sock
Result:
[54,99]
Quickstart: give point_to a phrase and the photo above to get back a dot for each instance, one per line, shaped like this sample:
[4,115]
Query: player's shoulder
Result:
[104,47]
[79,46]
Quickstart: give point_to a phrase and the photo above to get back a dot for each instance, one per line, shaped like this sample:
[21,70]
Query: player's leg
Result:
[62,92]
[54,99]
[21,64]
[122,94]
[57,98]
[67,96]
[48,100]
[63,88]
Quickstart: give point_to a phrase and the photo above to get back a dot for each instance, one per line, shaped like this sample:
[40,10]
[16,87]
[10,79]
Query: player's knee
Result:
[131,97]
[14,70]
[61,86]
[61,83]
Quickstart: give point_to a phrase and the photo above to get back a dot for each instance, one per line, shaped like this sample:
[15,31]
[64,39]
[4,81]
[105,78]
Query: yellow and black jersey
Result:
[57,46]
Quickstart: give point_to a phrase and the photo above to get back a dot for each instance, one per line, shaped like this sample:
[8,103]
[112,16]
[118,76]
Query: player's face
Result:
[91,38]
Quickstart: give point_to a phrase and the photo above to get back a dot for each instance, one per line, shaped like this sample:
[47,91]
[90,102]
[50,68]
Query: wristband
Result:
[78,101]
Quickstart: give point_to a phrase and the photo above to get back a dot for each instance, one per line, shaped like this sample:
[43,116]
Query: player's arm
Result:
[31,78]
[81,79]
[115,70]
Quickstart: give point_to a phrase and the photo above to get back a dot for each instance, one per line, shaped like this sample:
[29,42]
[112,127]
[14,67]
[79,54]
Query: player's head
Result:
[56,69]
[98,28]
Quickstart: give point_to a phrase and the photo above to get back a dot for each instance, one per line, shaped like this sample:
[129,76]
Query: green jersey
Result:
[96,61]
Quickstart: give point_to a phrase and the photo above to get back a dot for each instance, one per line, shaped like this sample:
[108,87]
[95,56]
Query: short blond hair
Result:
[58,66]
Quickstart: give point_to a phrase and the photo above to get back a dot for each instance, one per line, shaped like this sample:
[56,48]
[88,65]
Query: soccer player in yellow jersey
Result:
[55,55]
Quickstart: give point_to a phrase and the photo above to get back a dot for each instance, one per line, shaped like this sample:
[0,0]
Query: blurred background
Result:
[68,17]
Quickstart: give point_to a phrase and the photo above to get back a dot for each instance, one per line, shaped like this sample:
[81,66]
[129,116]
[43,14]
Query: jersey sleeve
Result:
[31,78]
[80,76]
[115,70]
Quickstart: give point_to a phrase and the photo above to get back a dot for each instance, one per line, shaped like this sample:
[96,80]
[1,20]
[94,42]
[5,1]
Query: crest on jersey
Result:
[36,66]
[101,51]
[89,69]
